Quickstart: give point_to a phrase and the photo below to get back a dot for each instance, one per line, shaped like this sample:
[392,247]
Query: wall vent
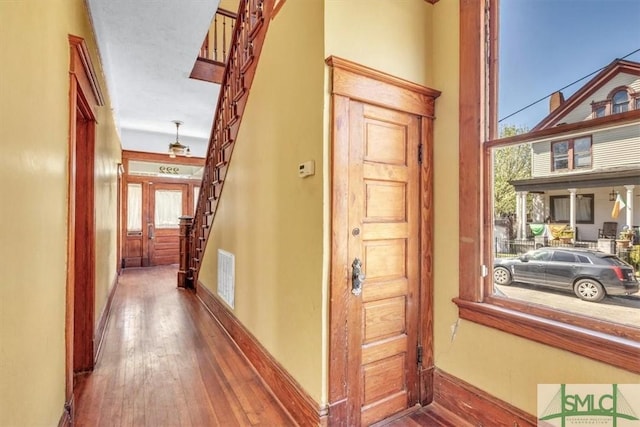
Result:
[227,277]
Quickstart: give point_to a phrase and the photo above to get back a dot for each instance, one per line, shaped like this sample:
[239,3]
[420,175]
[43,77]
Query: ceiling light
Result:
[176,148]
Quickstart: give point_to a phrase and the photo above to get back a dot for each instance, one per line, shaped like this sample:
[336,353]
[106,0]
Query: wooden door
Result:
[167,203]
[383,217]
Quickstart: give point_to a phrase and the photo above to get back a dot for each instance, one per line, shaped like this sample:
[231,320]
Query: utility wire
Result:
[563,88]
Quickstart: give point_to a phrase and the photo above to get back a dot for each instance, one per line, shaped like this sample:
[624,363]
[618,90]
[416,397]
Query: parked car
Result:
[590,274]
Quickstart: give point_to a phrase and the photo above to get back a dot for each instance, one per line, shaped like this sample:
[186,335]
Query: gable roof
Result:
[609,72]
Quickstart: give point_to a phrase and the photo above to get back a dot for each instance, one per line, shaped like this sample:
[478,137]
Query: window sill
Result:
[606,347]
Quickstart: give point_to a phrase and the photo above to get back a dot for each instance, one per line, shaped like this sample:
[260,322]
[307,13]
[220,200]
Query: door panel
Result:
[383,217]
[168,203]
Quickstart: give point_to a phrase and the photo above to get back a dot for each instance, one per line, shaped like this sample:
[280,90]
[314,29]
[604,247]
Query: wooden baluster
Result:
[186,240]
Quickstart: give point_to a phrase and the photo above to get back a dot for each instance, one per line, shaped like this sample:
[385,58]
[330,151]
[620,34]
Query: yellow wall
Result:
[505,366]
[34,97]
[268,217]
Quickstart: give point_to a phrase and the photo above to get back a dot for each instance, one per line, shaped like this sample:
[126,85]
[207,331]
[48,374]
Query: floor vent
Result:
[226,277]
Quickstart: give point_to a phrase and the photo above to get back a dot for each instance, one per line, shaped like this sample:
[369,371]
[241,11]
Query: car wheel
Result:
[589,290]
[501,276]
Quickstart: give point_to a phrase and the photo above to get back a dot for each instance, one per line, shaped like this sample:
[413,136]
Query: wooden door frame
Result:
[84,96]
[127,156]
[350,81]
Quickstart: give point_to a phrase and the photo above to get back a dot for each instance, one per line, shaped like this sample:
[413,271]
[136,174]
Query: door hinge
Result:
[419,354]
[420,153]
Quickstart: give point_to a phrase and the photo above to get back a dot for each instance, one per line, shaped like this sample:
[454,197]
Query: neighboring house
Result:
[576,178]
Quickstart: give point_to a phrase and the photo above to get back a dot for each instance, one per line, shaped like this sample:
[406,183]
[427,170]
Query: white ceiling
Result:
[148,48]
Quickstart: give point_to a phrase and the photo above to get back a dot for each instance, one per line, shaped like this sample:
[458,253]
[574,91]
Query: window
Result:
[599,111]
[561,256]
[571,154]
[637,103]
[611,343]
[559,208]
[620,102]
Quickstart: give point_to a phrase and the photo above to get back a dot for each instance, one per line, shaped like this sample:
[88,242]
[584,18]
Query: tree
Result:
[509,163]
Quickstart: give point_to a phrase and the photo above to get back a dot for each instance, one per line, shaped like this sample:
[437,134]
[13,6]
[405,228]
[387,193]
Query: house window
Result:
[638,103]
[571,154]
[559,208]
[585,334]
[599,111]
[620,102]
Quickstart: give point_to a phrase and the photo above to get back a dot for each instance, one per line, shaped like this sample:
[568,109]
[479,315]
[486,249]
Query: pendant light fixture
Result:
[176,148]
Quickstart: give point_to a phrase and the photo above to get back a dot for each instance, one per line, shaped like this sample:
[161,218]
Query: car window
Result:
[613,260]
[583,259]
[540,256]
[561,256]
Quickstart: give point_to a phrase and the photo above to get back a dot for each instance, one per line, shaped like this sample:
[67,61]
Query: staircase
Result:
[212,59]
[252,21]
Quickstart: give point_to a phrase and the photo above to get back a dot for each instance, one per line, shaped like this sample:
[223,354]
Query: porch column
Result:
[572,209]
[521,214]
[629,203]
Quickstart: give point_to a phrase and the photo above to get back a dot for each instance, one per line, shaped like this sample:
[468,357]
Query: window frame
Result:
[562,196]
[571,160]
[616,91]
[608,342]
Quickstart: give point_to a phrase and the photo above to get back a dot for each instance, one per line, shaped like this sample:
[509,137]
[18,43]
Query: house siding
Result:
[610,148]
[583,111]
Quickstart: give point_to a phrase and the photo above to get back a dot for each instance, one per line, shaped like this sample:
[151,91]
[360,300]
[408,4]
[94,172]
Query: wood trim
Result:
[377,88]
[569,130]
[276,8]
[104,320]
[478,407]
[612,350]
[470,155]
[208,70]
[164,158]
[425,328]
[291,395]
[81,60]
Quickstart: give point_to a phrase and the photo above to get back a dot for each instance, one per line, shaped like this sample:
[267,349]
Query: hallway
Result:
[166,362]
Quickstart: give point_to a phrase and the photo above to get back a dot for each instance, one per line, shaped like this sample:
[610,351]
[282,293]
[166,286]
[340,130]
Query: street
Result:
[619,309]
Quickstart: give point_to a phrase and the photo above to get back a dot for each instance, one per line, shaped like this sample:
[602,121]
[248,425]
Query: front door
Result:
[168,202]
[384,238]
[153,209]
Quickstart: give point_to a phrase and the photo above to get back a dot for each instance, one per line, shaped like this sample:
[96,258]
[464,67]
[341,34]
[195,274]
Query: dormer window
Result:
[620,102]
[599,111]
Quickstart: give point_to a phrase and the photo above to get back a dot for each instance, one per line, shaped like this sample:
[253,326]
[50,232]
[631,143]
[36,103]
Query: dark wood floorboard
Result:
[166,362]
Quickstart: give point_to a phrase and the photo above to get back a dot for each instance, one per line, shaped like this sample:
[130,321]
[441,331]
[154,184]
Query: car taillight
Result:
[618,272]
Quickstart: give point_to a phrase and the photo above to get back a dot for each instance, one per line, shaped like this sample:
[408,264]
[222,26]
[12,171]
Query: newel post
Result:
[185,276]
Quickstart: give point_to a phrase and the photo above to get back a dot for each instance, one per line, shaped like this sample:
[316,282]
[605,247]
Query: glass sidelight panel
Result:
[134,207]
[168,208]
[196,194]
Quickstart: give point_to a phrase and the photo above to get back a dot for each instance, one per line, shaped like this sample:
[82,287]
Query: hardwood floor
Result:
[166,362]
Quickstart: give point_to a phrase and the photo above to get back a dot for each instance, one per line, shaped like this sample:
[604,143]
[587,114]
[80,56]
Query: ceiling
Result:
[148,48]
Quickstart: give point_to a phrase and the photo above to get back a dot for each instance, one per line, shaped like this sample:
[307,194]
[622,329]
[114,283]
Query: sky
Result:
[548,44]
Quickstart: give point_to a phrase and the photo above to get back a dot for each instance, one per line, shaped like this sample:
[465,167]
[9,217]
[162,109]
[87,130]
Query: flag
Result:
[617,206]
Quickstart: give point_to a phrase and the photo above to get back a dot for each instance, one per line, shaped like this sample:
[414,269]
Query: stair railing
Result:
[248,38]
[216,44]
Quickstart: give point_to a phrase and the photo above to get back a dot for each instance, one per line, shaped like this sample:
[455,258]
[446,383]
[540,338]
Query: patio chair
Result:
[609,230]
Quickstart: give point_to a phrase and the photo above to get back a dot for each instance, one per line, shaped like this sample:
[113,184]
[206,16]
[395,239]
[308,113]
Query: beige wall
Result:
[505,366]
[34,97]
[268,217]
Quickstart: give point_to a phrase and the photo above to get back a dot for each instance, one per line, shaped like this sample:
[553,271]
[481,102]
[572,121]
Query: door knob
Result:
[357,278]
